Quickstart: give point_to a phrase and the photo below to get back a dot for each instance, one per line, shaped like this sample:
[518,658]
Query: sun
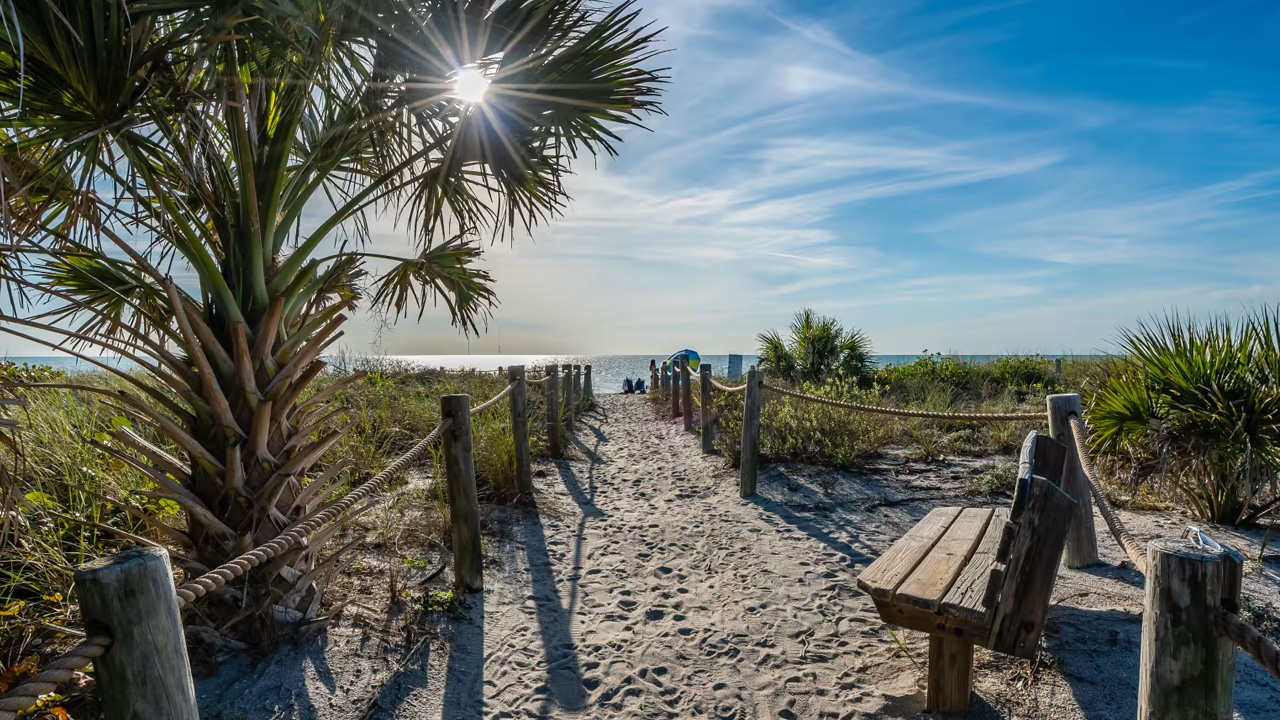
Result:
[470,85]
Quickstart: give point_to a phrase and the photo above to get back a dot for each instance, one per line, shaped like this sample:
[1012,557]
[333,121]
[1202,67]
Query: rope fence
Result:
[27,694]
[53,676]
[900,412]
[1114,523]
[492,401]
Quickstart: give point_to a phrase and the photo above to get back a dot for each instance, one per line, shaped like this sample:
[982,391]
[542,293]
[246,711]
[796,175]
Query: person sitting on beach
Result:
[640,386]
[627,387]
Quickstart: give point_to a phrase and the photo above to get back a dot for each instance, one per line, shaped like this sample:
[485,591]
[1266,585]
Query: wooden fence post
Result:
[686,392]
[520,429]
[577,391]
[145,672]
[566,407]
[588,394]
[555,435]
[675,388]
[464,509]
[1057,368]
[1082,542]
[653,380]
[707,422]
[1186,671]
[750,463]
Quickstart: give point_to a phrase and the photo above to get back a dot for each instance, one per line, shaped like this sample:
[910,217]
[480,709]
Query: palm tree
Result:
[819,349]
[189,185]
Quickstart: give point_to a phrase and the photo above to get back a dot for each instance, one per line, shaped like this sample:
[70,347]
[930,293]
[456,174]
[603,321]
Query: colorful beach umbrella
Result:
[694,359]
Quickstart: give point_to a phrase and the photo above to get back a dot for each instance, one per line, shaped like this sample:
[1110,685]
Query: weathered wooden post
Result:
[145,672]
[1186,670]
[1057,368]
[1082,542]
[707,424]
[555,434]
[588,394]
[686,392]
[675,387]
[566,407]
[464,509]
[520,429]
[653,378]
[577,391]
[666,377]
[750,462]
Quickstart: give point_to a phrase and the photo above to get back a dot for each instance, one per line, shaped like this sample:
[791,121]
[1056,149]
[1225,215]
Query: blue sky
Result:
[1016,176]
[968,177]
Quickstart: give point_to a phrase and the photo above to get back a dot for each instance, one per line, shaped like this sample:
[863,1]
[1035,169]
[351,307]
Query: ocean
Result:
[607,371]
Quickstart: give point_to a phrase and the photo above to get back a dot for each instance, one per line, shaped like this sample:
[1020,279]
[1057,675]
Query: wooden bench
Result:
[978,576]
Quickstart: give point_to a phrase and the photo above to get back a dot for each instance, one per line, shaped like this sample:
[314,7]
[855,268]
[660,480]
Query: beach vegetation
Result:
[817,349]
[1196,404]
[66,502]
[192,187]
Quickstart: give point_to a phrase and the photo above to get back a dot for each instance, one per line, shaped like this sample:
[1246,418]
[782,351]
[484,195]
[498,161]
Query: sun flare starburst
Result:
[470,85]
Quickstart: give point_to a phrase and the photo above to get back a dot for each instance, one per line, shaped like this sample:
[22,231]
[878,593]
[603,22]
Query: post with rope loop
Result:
[464,508]
[577,391]
[686,392]
[675,387]
[588,394]
[749,465]
[145,673]
[555,436]
[520,429]
[1082,541]
[666,377]
[1186,670]
[653,379]
[707,424]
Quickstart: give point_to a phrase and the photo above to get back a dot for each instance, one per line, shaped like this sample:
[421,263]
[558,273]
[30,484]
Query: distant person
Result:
[627,387]
[639,386]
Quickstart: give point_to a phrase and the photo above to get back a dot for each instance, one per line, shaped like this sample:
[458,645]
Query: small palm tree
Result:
[189,185]
[1203,398]
[818,349]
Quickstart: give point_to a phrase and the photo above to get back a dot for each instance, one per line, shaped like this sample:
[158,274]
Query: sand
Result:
[644,587]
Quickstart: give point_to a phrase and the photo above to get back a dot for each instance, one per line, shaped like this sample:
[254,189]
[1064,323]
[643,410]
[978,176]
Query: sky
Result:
[947,176]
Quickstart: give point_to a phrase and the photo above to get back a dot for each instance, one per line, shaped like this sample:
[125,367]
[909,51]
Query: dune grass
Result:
[66,502]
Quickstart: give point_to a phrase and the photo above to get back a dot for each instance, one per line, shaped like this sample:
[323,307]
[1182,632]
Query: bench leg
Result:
[950,675]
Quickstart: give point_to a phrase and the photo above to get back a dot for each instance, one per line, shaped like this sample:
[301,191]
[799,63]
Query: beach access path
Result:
[644,587]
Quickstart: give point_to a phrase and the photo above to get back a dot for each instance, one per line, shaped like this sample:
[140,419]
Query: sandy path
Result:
[645,588]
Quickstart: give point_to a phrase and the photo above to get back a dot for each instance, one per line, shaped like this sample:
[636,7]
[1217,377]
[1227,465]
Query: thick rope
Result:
[975,417]
[728,388]
[540,381]
[56,673]
[1259,647]
[1118,530]
[232,569]
[492,401]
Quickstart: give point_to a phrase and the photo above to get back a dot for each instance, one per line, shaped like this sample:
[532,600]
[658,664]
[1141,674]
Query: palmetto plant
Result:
[818,349]
[188,185]
[1203,398]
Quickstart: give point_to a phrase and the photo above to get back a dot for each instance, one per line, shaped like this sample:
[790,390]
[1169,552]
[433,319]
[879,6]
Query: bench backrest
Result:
[1030,548]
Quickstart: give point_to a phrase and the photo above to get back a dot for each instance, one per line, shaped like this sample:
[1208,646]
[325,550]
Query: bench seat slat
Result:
[881,579]
[964,600]
[928,584]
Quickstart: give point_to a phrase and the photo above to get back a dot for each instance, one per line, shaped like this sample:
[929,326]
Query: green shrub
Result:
[1202,397]
[818,349]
